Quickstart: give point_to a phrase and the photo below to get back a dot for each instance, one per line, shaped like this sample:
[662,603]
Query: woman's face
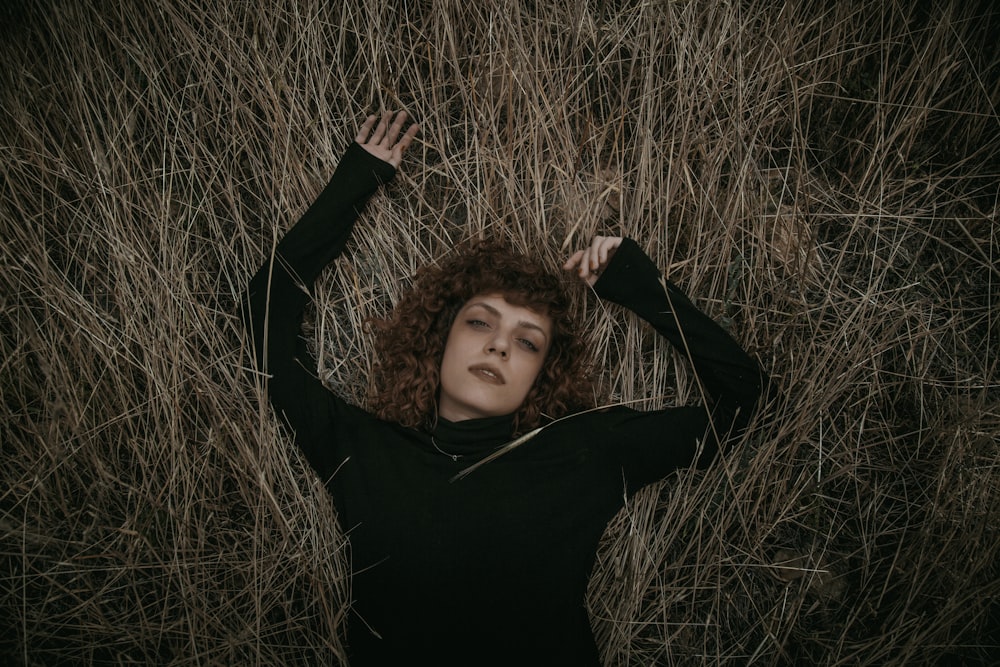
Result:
[492,357]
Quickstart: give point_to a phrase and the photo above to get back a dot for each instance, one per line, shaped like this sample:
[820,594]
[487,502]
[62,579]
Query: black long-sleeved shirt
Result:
[490,568]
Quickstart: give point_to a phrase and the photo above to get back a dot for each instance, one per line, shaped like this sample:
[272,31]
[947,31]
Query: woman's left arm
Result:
[733,382]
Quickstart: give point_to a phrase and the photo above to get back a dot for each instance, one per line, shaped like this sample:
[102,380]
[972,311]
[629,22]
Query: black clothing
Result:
[491,568]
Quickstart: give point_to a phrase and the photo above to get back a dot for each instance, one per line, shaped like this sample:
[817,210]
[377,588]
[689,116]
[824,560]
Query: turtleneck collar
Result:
[473,436]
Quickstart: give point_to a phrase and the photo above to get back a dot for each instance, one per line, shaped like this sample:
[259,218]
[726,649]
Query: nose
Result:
[497,345]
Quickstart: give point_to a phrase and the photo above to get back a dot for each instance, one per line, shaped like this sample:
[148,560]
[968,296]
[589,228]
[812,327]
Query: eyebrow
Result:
[527,324]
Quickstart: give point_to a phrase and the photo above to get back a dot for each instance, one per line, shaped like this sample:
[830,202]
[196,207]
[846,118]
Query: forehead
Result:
[497,302]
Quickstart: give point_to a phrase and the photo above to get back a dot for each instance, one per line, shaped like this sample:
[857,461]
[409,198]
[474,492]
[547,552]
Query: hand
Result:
[385,142]
[589,263]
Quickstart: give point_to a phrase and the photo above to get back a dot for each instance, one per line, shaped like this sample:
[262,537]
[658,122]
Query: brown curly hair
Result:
[410,342]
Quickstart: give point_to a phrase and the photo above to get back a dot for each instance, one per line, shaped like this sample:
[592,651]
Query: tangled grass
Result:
[822,180]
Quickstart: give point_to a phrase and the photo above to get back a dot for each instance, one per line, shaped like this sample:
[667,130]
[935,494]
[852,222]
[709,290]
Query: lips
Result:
[488,373]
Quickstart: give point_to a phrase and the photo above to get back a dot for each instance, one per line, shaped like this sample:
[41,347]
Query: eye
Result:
[528,344]
[478,324]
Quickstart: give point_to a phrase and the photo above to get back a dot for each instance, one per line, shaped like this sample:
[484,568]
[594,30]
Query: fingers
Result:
[394,129]
[365,129]
[605,247]
[403,143]
[383,140]
[590,262]
[573,261]
[407,139]
[384,133]
[379,134]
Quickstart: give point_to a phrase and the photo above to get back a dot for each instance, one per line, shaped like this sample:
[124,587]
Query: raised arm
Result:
[733,382]
[277,294]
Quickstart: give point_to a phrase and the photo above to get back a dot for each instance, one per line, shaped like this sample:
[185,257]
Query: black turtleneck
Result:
[489,568]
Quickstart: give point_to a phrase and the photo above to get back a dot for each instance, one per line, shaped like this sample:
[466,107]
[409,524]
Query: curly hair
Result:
[410,342]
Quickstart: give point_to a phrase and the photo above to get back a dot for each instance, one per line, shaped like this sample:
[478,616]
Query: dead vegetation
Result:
[822,181]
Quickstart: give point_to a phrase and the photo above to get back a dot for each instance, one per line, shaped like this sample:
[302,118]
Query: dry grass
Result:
[824,181]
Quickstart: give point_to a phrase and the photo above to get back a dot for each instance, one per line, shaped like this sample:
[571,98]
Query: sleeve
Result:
[275,300]
[652,444]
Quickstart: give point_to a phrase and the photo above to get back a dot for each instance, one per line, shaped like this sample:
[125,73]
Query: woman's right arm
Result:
[275,299]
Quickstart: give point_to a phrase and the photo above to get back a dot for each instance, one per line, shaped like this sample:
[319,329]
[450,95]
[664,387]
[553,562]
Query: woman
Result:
[489,567]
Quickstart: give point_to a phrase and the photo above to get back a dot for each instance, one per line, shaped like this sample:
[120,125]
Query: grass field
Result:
[824,181]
